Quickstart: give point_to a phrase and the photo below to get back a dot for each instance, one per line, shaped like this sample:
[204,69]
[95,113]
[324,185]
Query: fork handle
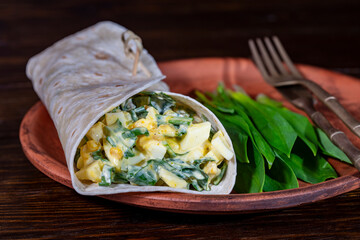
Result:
[332,103]
[336,136]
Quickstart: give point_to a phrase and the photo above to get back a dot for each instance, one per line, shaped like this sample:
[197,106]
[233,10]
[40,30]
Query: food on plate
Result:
[87,81]
[151,140]
[274,146]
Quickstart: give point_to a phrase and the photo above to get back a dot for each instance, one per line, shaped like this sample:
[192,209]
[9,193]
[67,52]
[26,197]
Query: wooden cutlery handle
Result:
[337,137]
[332,103]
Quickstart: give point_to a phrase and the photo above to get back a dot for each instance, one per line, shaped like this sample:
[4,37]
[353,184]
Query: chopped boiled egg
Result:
[152,112]
[167,130]
[211,169]
[149,122]
[171,179]
[194,154]
[114,154]
[91,172]
[174,144]
[154,149]
[196,135]
[96,132]
[92,146]
[138,158]
[213,154]
[85,153]
[134,143]
[220,144]
[84,161]
[124,118]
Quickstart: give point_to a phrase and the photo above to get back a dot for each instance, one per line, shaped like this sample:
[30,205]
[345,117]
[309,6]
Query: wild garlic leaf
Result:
[191,174]
[242,119]
[303,128]
[306,166]
[219,177]
[141,100]
[111,141]
[199,163]
[239,140]
[312,170]
[329,149]
[128,105]
[129,153]
[251,176]
[280,176]
[259,141]
[119,177]
[194,172]
[140,131]
[161,102]
[180,120]
[222,93]
[262,98]
[99,155]
[243,122]
[145,176]
[300,123]
[226,110]
[276,130]
[106,175]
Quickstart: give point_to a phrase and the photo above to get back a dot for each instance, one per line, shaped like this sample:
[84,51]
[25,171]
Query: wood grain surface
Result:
[186,76]
[319,33]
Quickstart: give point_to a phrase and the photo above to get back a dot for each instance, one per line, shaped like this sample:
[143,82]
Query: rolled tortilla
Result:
[85,75]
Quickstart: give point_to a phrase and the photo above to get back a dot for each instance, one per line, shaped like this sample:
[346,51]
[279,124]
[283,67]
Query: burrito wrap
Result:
[85,75]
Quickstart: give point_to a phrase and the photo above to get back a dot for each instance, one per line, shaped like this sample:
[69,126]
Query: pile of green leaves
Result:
[274,146]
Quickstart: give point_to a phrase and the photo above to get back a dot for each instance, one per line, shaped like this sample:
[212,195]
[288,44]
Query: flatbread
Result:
[85,75]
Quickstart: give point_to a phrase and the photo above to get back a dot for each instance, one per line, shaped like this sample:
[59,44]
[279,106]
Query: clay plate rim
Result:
[190,203]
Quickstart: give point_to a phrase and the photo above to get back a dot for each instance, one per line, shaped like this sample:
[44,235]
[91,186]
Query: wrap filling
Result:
[149,140]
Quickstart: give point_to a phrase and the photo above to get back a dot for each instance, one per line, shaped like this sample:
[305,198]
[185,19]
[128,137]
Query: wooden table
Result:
[34,206]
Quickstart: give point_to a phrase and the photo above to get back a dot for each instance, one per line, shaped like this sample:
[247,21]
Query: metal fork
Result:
[301,98]
[275,73]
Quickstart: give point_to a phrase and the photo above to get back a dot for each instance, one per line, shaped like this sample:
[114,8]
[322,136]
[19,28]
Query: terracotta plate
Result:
[41,144]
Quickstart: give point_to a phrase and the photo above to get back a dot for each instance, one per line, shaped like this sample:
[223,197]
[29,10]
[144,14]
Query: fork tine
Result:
[275,57]
[265,55]
[257,59]
[285,57]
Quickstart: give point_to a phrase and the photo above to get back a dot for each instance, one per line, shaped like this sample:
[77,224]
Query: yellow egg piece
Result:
[196,135]
[96,132]
[92,146]
[219,143]
[91,172]
[171,179]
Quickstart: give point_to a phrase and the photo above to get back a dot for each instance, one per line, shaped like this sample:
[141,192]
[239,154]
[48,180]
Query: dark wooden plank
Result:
[320,33]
